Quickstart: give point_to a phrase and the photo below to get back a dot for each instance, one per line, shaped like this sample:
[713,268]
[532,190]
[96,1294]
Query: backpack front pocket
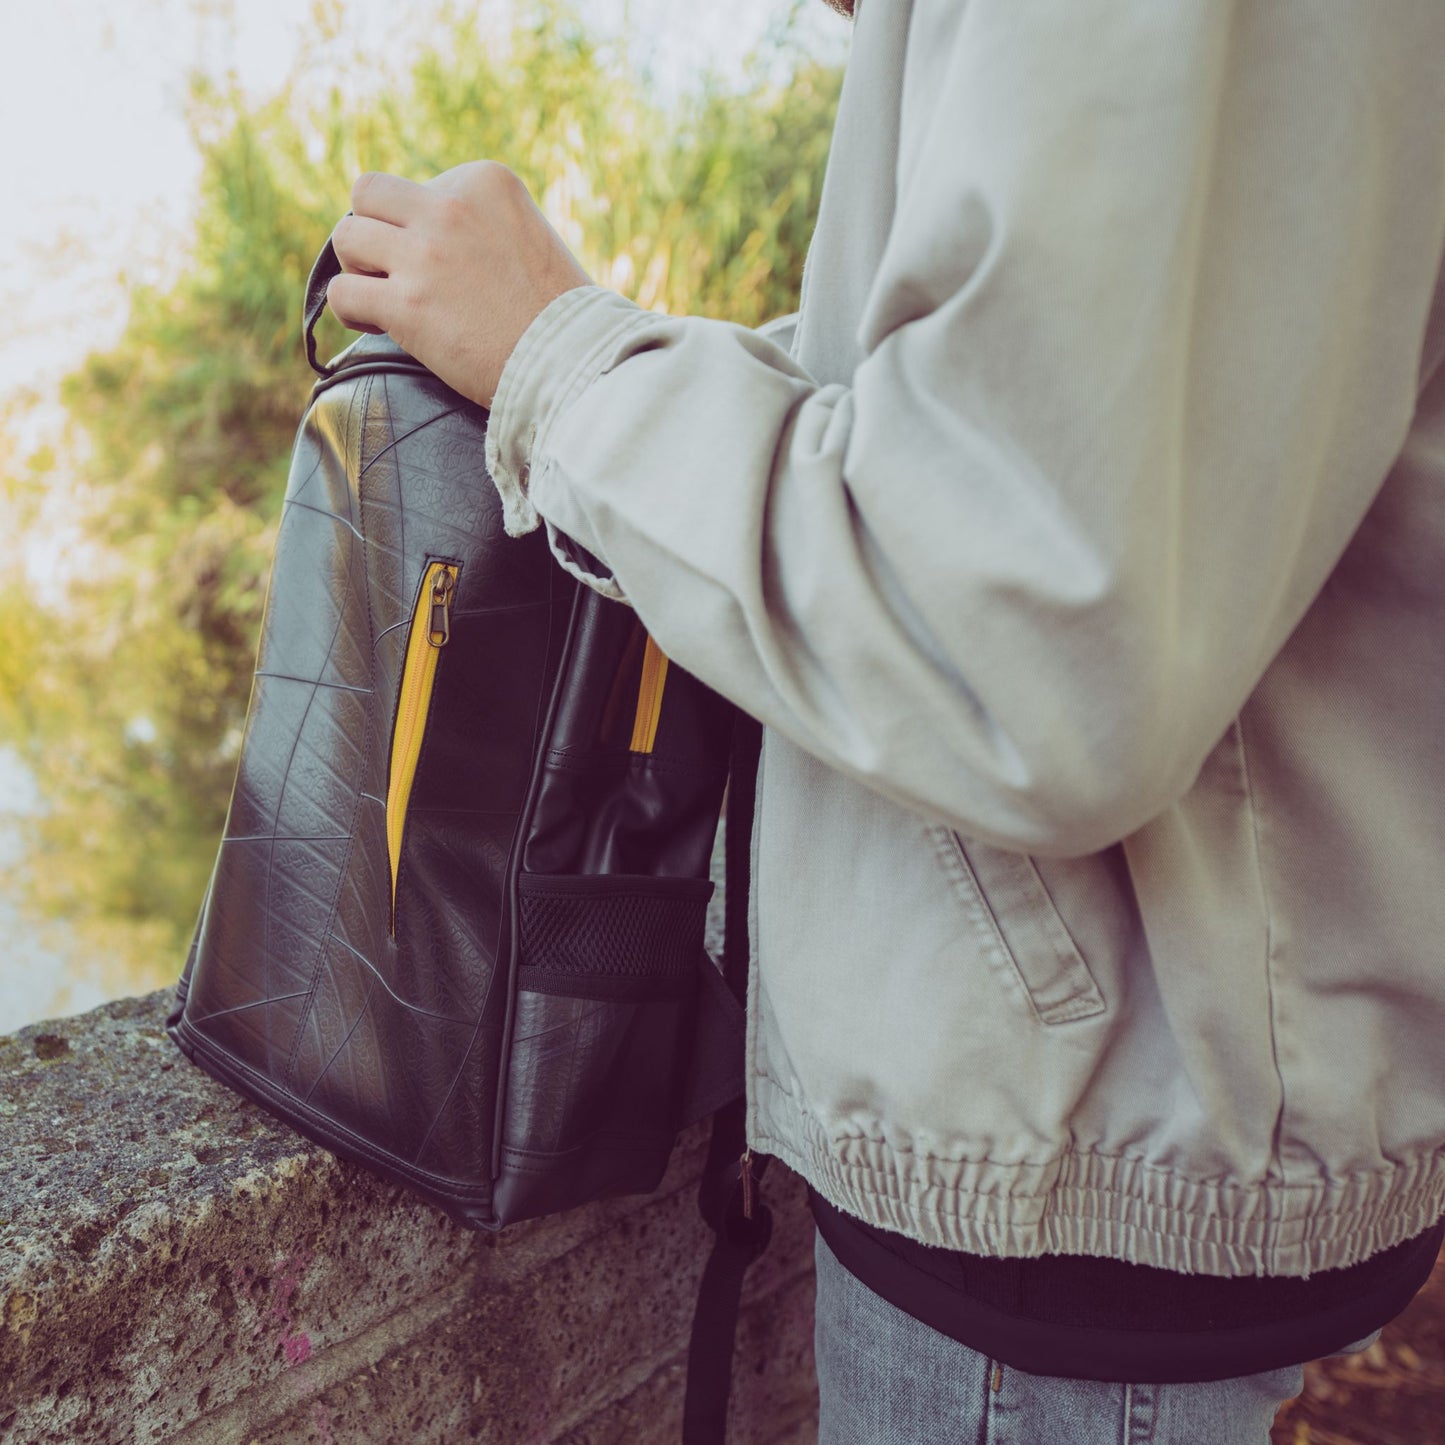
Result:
[429,633]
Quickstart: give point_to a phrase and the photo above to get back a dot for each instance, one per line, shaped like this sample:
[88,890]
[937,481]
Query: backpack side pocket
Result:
[607,990]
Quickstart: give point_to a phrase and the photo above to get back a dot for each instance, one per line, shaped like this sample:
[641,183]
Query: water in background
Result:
[34,982]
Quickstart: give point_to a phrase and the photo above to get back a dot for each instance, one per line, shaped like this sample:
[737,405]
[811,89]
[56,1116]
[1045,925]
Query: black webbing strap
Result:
[326,266]
[728,1192]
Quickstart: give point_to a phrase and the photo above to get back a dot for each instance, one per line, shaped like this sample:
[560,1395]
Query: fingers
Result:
[359,302]
[366,245]
[386,197]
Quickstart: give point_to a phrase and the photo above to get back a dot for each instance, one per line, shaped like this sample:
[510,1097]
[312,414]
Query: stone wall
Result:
[177,1265]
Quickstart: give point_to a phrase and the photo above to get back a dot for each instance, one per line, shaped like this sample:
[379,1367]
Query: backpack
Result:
[455,927]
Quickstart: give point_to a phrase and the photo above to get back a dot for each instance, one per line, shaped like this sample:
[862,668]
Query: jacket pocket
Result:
[429,632]
[1019,928]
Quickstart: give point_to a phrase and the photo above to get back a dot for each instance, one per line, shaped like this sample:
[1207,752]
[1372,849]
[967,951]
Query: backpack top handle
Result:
[328,264]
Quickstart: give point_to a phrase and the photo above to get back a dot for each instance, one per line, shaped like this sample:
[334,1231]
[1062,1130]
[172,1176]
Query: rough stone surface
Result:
[178,1265]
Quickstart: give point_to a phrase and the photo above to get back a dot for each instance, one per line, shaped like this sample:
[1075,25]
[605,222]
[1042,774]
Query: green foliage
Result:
[126,646]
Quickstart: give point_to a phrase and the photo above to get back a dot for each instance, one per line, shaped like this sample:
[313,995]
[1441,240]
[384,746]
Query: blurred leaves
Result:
[129,615]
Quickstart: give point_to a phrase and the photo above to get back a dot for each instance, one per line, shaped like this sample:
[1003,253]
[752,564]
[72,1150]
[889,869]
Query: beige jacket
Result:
[1084,556]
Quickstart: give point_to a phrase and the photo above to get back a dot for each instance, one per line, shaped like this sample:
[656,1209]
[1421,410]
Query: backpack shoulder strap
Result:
[728,1195]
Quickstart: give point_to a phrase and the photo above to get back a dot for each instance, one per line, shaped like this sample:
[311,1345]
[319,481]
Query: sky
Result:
[97,172]
[97,184]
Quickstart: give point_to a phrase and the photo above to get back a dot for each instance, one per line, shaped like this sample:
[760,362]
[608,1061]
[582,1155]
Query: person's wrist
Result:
[525,396]
[545,294]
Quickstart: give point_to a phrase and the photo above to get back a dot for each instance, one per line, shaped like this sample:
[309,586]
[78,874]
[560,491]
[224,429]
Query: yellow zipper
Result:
[431,627]
[649,698]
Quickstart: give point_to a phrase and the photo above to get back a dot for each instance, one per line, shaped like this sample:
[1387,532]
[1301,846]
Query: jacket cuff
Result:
[569,343]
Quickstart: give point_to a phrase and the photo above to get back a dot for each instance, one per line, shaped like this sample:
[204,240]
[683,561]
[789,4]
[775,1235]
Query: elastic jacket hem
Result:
[1116,1207]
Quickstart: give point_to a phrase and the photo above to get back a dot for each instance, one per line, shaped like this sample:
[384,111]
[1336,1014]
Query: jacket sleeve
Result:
[1141,346]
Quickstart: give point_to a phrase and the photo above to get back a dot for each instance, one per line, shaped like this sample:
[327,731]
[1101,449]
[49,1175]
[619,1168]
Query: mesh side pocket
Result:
[607,981]
[616,931]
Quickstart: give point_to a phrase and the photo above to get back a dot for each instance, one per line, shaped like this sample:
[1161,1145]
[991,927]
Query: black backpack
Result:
[454,931]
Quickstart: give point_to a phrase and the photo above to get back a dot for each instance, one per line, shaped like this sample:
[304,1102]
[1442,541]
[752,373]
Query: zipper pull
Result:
[745,1164]
[439,629]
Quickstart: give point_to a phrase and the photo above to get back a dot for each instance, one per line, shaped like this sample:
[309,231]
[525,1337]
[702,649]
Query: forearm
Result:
[1119,414]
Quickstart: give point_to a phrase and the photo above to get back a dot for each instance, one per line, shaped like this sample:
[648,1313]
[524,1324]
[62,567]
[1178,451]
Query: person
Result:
[1080,544]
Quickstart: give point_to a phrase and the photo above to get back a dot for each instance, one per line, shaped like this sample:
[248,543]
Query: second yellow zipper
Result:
[649,698]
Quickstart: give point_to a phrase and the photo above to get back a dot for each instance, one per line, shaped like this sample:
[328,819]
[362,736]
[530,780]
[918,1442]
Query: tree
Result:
[126,658]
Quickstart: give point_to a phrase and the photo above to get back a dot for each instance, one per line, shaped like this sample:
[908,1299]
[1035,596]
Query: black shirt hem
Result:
[1221,1342]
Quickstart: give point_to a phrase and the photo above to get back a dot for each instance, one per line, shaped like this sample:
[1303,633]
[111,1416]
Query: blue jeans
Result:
[885,1378]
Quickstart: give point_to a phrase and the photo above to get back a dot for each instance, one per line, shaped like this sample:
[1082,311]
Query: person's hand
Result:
[454,269]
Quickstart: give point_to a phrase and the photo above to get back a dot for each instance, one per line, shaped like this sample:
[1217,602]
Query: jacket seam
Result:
[752,1024]
[1052,1160]
[1274,1168]
[1083,1155]
[1048,1163]
[1254,1190]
